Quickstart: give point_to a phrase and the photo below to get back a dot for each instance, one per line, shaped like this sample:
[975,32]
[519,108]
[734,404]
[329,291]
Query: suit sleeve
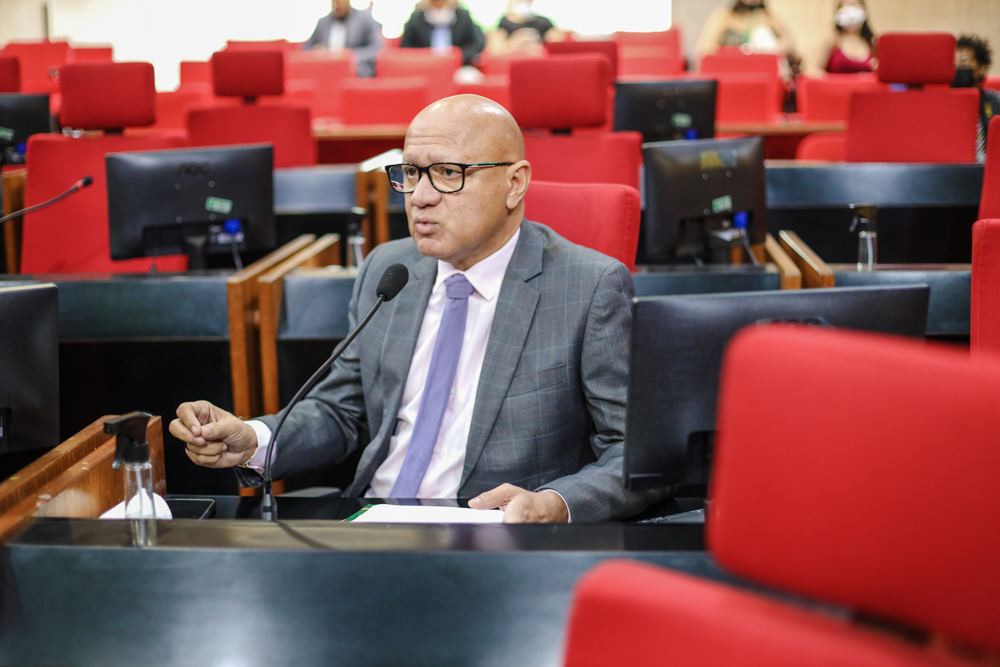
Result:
[412,35]
[473,43]
[316,39]
[597,492]
[331,421]
[368,50]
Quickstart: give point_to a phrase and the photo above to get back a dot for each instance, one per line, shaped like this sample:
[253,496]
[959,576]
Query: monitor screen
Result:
[20,117]
[666,110]
[191,200]
[697,191]
[676,358]
[29,373]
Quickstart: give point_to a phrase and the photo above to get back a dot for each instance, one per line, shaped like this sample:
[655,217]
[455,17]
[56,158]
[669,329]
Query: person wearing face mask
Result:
[442,24]
[348,28]
[522,31]
[851,48]
[749,25]
[973,58]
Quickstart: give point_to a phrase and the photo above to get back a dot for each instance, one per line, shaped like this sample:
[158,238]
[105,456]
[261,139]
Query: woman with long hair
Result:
[747,24]
[852,47]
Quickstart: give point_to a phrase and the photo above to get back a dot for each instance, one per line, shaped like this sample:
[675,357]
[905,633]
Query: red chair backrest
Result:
[913,126]
[608,47]
[762,63]
[989,203]
[107,95]
[747,97]
[985,323]
[603,217]
[327,71]
[501,64]
[916,58]
[39,63]
[561,92]
[439,69]
[196,71]
[92,53]
[825,146]
[672,38]
[10,75]
[72,236]
[248,73]
[172,107]
[493,86]
[287,128]
[282,45]
[608,157]
[650,60]
[828,98]
[883,499]
[383,101]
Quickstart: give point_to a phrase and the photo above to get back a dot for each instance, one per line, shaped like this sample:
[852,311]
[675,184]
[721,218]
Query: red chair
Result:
[651,53]
[72,236]
[553,97]
[500,65]
[101,54]
[604,217]
[822,146]
[282,45]
[608,47]
[437,68]
[40,62]
[828,500]
[172,108]
[493,86]
[722,62]
[747,97]
[985,323]
[10,75]
[827,98]
[930,125]
[383,101]
[327,71]
[989,203]
[992,82]
[249,75]
[197,73]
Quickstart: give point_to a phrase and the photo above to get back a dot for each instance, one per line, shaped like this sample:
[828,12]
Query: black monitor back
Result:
[707,179]
[158,198]
[678,344]
[666,110]
[20,117]
[29,374]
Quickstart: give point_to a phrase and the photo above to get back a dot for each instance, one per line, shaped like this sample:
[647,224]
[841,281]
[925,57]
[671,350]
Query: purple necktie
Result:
[437,388]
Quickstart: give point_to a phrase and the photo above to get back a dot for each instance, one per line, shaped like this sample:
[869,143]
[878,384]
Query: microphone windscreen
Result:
[393,280]
[86,181]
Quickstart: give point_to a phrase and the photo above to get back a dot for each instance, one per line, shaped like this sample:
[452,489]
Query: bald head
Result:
[482,129]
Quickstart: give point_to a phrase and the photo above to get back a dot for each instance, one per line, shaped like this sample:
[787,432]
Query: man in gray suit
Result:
[499,373]
[349,28]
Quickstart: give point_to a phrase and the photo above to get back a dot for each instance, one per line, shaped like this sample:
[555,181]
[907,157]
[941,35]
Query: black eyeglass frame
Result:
[427,170]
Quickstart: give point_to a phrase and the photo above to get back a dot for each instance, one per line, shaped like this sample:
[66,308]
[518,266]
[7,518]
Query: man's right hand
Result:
[214,437]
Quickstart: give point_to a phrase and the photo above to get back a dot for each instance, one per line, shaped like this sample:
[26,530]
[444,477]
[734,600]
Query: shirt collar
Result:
[485,275]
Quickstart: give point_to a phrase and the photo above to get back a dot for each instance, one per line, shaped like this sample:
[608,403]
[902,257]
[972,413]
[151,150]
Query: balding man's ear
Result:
[517,186]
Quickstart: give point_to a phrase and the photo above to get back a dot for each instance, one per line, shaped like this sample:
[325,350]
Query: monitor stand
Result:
[196,249]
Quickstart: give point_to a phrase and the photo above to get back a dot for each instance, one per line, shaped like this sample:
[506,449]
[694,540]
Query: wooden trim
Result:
[12,189]
[323,252]
[815,272]
[74,480]
[372,194]
[244,328]
[791,276]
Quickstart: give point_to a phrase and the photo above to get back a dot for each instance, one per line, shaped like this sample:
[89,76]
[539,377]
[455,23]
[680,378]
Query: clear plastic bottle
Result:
[132,456]
[866,227]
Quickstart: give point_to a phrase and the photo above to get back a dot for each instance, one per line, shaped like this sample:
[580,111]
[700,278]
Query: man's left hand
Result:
[522,506]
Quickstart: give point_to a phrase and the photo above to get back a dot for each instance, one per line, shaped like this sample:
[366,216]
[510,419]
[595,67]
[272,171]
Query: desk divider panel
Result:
[815,272]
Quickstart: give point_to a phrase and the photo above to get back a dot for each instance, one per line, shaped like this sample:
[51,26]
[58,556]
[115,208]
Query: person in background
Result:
[522,31]
[442,24]
[852,47]
[749,25]
[973,58]
[349,28]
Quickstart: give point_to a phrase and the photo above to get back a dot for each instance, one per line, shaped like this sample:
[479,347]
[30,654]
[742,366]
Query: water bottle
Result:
[132,454]
[867,229]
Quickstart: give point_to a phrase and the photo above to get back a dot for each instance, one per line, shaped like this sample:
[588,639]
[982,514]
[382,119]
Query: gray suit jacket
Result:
[364,37]
[550,406]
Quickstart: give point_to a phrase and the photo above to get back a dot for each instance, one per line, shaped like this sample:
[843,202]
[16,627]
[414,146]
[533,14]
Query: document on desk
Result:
[425,514]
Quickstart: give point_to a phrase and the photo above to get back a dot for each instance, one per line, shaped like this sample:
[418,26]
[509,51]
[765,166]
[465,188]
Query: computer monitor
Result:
[191,201]
[677,349]
[699,192]
[666,110]
[29,374]
[20,117]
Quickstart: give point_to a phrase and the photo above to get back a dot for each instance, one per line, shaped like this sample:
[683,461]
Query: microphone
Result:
[393,280]
[84,182]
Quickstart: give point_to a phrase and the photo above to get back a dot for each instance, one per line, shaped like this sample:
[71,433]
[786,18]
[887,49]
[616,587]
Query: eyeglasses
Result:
[445,177]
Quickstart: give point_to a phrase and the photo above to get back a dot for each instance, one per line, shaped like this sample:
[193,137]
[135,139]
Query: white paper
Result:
[428,514]
[159,506]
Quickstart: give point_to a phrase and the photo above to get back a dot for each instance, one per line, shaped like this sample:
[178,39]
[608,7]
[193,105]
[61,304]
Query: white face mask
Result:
[850,16]
[443,16]
[523,9]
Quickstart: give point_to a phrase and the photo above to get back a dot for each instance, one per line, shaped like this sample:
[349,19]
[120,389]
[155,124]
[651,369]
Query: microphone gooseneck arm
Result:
[268,508]
[79,185]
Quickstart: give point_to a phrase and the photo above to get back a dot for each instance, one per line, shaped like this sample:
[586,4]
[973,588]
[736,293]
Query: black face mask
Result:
[965,77]
[744,7]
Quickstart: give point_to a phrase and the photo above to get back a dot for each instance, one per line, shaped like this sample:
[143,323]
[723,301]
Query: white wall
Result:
[164,32]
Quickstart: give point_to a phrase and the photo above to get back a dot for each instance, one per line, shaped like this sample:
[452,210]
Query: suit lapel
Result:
[511,322]
[397,353]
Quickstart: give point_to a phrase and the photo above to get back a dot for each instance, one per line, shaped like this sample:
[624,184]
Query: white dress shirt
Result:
[444,472]
[338,35]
